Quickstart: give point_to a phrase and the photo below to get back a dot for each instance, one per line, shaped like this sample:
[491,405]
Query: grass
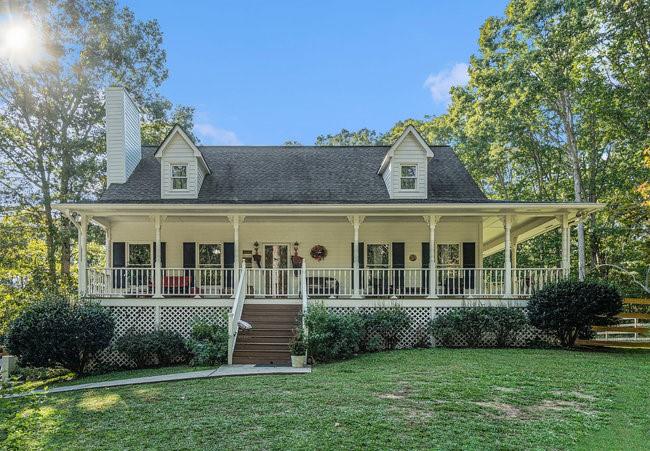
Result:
[437,398]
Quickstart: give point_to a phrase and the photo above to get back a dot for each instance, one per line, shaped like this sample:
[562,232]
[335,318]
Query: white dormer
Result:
[182,167]
[405,166]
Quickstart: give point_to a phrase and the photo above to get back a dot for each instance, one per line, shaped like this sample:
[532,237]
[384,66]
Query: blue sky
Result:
[263,72]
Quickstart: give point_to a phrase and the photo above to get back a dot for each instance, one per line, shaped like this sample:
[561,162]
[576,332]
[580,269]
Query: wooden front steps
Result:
[268,341]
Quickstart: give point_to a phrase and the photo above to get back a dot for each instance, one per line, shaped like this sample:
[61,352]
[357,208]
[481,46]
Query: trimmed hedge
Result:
[568,309]
[153,348]
[334,337]
[475,324]
[57,332]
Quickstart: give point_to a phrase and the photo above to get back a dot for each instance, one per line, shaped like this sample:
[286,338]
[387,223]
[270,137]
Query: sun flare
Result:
[19,42]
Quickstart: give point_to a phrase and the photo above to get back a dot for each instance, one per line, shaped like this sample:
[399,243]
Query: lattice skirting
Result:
[417,335]
[151,318]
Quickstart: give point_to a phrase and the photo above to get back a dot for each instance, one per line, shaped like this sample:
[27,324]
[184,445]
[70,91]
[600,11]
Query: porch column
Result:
[83,257]
[108,247]
[432,221]
[566,245]
[158,263]
[507,225]
[513,251]
[108,251]
[356,276]
[236,220]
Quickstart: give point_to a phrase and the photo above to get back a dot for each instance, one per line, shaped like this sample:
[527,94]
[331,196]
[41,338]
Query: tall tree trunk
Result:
[64,191]
[50,227]
[566,114]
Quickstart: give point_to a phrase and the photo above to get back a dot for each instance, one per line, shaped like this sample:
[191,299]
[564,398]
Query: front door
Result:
[276,262]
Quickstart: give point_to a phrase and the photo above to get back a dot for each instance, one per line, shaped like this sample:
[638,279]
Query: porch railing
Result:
[320,282]
[197,281]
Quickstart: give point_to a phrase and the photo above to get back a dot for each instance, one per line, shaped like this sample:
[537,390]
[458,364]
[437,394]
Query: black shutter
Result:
[229,262]
[119,255]
[398,265]
[189,261]
[119,261]
[425,265]
[469,261]
[189,255]
[163,254]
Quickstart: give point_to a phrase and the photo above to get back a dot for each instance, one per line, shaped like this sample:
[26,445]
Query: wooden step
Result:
[270,346]
[267,332]
[264,336]
[272,308]
[261,360]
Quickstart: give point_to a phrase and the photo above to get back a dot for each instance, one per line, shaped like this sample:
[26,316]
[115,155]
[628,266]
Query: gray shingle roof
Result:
[297,175]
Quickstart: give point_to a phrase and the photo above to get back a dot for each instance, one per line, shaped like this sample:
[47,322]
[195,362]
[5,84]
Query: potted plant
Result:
[298,349]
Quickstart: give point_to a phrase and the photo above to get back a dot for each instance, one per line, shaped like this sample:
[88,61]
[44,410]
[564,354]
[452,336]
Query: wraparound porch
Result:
[382,252]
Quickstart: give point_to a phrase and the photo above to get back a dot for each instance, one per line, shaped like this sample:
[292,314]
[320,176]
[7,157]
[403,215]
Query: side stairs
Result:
[268,341]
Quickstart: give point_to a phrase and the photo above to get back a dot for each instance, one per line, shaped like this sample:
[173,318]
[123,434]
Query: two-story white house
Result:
[352,227]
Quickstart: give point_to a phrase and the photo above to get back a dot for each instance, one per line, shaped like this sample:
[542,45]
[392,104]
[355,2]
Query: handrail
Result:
[235,315]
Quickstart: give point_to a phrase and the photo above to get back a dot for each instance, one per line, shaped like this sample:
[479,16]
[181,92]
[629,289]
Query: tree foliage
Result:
[52,108]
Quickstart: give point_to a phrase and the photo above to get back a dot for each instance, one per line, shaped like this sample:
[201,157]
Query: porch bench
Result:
[324,286]
[177,285]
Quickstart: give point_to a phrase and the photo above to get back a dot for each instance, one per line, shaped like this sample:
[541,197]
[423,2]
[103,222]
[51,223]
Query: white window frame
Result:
[172,177]
[373,266]
[198,254]
[401,177]
[219,280]
[128,253]
[460,255]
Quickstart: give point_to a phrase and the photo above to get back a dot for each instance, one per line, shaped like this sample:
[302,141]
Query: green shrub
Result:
[297,344]
[57,332]
[152,348]
[374,343]
[331,336]
[505,323]
[445,328]
[390,323]
[473,323]
[568,309]
[208,344]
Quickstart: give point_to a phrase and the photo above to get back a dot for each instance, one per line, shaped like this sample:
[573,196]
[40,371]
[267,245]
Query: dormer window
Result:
[408,177]
[179,176]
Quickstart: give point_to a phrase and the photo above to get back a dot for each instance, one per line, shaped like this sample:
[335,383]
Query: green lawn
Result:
[438,398]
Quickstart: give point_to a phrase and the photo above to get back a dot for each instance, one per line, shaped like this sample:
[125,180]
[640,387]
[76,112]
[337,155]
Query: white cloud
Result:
[440,83]
[212,135]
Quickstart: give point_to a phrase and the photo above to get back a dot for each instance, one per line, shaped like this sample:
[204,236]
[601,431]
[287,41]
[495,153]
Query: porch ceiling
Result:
[528,219]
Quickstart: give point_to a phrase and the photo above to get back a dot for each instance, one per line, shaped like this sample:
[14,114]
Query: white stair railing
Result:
[235,314]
